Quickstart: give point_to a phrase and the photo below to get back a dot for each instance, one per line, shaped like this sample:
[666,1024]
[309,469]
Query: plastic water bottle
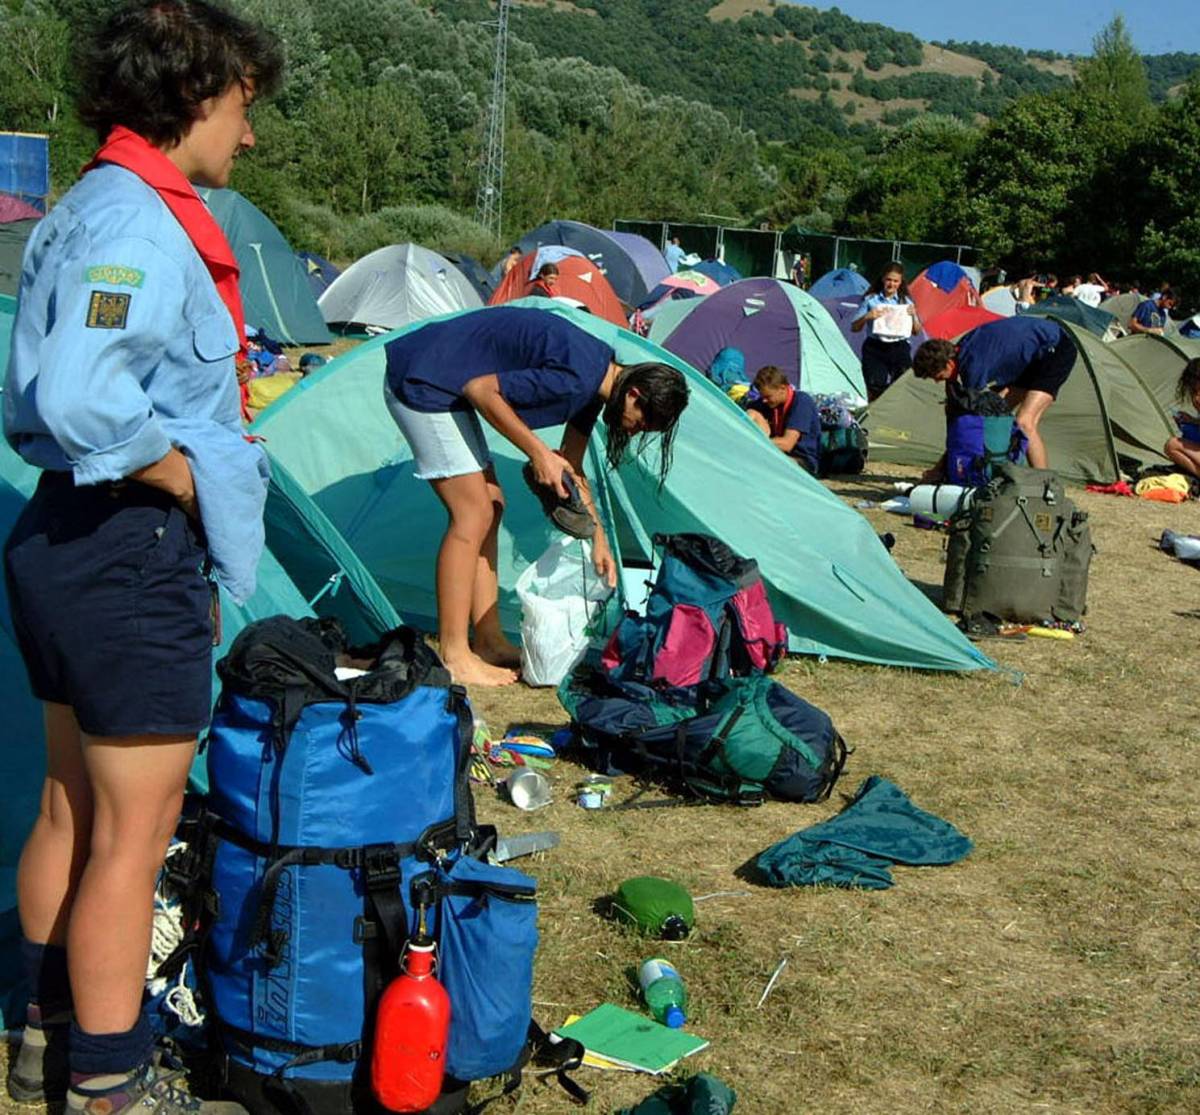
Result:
[664,992]
[412,1025]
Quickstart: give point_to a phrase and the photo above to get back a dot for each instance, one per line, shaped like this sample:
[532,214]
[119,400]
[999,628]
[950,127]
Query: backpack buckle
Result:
[381,866]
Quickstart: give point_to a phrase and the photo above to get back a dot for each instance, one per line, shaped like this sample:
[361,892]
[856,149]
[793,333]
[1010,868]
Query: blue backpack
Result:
[980,433]
[340,810]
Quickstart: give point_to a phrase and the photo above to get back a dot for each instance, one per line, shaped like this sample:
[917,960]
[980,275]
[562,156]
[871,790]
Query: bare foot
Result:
[498,651]
[473,670]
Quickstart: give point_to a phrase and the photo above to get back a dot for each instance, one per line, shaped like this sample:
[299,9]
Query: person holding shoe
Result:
[518,369]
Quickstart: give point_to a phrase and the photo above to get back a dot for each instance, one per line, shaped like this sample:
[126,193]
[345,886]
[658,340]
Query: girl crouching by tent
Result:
[521,370]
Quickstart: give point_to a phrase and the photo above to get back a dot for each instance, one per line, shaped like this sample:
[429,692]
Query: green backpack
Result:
[1020,550]
[737,740]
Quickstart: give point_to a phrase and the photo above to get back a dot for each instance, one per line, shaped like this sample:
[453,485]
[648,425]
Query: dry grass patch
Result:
[1054,970]
[867,109]
[935,59]
[735,9]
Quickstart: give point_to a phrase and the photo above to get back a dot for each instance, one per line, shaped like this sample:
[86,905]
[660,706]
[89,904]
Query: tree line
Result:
[376,136]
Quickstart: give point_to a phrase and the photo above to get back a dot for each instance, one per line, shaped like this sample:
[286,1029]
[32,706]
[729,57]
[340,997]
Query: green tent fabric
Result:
[1159,361]
[8,309]
[1066,308]
[320,564]
[833,584]
[880,826]
[1105,417]
[275,289]
[13,235]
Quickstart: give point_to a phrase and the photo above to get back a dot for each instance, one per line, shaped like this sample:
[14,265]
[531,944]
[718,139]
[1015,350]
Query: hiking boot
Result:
[153,1090]
[570,515]
[38,1073]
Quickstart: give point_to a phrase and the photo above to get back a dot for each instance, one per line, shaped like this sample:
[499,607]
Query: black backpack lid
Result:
[709,555]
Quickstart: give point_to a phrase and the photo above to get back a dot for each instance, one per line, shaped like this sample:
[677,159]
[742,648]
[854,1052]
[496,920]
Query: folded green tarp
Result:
[879,827]
[701,1095]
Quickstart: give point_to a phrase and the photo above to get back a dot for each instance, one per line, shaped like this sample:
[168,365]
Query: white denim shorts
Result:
[446,444]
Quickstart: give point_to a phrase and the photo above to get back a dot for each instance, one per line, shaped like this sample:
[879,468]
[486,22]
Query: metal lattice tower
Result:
[489,201]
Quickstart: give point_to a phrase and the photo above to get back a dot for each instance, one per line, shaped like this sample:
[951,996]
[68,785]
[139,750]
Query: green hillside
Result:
[674,109]
[785,70]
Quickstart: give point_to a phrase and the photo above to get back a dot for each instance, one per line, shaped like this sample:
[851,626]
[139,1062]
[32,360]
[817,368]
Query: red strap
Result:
[779,414]
[127,149]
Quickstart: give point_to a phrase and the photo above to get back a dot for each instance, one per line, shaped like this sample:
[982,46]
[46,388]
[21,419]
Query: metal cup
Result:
[528,790]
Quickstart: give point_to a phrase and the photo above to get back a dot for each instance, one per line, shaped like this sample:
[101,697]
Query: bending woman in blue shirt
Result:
[887,352]
[520,370]
[122,388]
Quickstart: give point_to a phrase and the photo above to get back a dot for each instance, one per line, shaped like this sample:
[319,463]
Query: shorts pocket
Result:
[487,930]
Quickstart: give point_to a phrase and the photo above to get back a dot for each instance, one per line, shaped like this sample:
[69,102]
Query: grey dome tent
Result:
[631,264]
[395,286]
[275,290]
[1106,418]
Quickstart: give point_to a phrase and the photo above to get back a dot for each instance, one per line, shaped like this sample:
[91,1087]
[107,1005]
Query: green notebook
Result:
[632,1040]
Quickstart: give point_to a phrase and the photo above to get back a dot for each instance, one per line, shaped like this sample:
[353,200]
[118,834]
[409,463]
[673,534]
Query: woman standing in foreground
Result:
[519,369]
[122,389]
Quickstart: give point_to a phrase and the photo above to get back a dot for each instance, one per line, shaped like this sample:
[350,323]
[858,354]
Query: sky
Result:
[1034,24]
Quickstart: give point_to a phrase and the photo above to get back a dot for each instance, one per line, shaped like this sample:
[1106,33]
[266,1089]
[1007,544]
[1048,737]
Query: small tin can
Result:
[593,792]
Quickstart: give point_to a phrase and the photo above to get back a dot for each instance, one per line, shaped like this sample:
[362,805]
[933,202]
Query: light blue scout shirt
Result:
[121,349]
[873,301]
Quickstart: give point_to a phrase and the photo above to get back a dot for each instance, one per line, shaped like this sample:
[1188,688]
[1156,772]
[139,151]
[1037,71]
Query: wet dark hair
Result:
[1189,380]
[1167,292]
[547,269]
[901,291]
[769,376]
[663,393]
[152,63]
[932,357]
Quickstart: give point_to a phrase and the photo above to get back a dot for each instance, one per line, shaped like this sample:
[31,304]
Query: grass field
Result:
[1054,970]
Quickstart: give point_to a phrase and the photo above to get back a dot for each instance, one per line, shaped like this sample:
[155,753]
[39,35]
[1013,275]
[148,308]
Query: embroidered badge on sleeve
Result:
[107,310]
[114,274]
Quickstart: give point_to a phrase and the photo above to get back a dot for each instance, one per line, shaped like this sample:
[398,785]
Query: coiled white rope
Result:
[166,934]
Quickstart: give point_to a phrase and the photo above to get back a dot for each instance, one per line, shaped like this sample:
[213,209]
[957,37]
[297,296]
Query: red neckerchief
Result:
[127,149]
[779,414]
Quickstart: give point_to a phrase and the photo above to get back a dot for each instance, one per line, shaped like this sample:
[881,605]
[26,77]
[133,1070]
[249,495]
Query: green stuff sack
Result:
[655,906]
[1020,551]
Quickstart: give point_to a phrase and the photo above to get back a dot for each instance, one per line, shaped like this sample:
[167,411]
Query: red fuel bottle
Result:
[411,1028]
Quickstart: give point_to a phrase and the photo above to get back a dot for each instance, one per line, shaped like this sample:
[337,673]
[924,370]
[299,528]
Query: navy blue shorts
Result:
[1048,373]
[111,608]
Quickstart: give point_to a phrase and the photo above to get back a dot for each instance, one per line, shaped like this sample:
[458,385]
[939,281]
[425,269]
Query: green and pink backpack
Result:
[707,618]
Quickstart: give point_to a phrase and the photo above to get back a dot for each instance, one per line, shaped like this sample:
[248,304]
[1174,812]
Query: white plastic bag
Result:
[560,593]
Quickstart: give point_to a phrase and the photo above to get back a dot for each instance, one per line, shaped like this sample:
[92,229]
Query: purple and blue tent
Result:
[770,322]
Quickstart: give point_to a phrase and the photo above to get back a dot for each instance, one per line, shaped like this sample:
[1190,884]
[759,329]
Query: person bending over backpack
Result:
[519,369]
[1026,360]
[1185,450]
[788,416]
